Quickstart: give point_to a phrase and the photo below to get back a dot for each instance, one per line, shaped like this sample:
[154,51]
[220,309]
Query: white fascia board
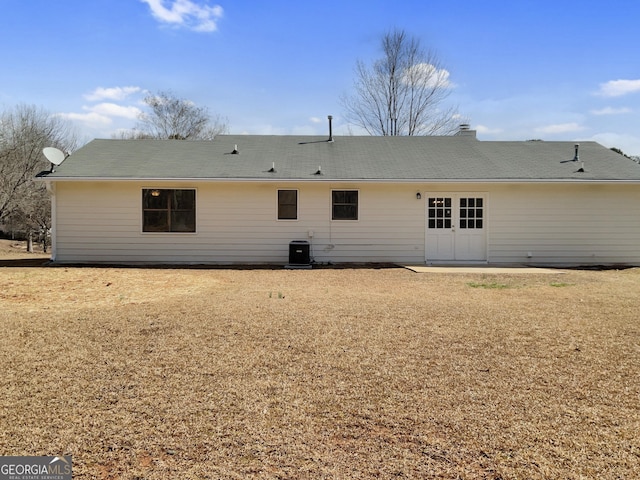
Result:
[316,180]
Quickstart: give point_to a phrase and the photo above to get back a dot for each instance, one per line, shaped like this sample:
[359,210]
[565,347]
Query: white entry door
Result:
[456,226]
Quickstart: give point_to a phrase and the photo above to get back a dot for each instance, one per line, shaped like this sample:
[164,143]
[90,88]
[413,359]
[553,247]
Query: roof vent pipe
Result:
[576,156]
[330,129]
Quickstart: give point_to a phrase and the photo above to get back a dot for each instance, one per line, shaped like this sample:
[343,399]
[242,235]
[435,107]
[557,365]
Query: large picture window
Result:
[168,210]
[287,204]
[344,205]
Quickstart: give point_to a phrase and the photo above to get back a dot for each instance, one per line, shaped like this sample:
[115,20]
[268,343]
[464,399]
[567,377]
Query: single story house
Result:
[243,199]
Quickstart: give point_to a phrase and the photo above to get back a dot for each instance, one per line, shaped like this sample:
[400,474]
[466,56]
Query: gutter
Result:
[334,180]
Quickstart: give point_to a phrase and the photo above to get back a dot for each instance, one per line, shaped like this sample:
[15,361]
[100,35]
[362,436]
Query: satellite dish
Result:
[54,155]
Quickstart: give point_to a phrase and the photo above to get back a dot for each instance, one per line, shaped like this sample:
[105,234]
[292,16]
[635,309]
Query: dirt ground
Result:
[333,373]
[14,253]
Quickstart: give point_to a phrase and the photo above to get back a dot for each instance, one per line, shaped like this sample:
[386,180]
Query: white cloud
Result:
[114,110]
[611,111]
[186,13]
[617,88]
[315,120]
[92,119]
[560,128]
[428,75]
[487,130]
[113,93]
[100,118]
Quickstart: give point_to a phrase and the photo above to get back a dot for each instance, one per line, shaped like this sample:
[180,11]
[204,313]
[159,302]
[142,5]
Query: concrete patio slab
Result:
[479,269]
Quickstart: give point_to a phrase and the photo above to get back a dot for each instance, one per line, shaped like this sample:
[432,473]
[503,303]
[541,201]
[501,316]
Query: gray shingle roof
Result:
[457,158]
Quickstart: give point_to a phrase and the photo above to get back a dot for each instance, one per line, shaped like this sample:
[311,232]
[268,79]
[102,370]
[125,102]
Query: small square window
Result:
[344,205]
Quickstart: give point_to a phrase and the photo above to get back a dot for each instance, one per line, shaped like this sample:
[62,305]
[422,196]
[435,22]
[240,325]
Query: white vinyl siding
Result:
[559,224]
[237,223]
[565,224]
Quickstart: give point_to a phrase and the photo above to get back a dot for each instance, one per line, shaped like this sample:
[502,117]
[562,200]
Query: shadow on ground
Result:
[24,262]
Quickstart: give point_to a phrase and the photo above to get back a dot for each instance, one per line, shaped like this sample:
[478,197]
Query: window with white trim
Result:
[168,210]
[287,204]
[344,205]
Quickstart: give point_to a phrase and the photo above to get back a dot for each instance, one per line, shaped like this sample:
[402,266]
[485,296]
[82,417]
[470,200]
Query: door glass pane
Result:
[470,208]
[439,208]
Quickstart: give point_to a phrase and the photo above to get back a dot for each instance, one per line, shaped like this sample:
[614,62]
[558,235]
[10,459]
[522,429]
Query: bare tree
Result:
[402,93]
[24,132]
[32,216]
[170,117]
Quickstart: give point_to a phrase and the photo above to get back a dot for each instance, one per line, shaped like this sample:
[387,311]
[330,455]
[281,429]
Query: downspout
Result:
[51,188]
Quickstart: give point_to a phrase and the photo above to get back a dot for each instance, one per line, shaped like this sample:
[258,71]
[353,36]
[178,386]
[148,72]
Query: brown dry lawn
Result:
[329,373]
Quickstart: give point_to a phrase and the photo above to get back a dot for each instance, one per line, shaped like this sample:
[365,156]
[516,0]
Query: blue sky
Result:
[520,69]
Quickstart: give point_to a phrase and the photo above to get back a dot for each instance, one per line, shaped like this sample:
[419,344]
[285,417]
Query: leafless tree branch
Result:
[171,117]
[24,131]
[401,93]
